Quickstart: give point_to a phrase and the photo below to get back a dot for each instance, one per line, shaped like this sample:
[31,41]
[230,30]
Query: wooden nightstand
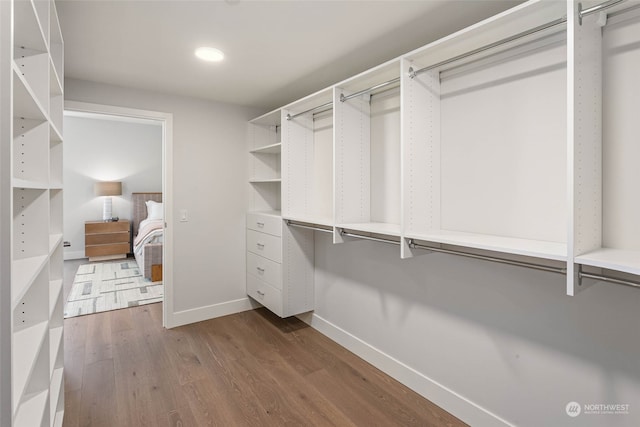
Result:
[106,240]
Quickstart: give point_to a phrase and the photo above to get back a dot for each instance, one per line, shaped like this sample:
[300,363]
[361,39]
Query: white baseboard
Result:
[199,314]
[437,393]
[73,255]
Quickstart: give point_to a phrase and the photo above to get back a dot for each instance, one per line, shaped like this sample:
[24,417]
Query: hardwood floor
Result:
[249,369]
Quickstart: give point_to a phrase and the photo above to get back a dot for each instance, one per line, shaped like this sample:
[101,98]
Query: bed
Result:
[148,226]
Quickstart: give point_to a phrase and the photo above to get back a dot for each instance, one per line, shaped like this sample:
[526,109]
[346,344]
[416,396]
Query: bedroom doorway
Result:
[142,203]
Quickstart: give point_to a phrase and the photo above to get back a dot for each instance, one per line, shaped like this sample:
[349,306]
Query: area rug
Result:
[110,286]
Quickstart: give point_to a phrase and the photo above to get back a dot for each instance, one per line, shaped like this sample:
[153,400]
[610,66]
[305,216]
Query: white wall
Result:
[484,340]
[209,178]
[105,150]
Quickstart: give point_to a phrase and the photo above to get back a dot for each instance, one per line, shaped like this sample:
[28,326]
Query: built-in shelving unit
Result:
[34,277]
[265,149]
[510,141]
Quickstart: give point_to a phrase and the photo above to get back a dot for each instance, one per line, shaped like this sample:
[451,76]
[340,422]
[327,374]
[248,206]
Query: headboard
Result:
[140,209]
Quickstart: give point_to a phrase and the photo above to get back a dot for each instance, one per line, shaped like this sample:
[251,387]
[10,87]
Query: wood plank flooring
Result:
[249,369]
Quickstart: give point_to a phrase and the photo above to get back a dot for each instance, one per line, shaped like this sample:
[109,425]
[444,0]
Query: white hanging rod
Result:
[608,279]
[374,239]
[597,8]
[326,105]
[344,98]
[558,270]
[413,73]
[307,227]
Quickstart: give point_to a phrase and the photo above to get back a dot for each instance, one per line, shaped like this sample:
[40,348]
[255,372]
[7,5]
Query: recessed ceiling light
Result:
[209,54]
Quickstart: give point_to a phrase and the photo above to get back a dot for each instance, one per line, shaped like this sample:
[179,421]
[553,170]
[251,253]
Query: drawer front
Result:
[265,245]
[265,269]
[103,239]
[105,227]
[265,294]
[103,250]
[264,223]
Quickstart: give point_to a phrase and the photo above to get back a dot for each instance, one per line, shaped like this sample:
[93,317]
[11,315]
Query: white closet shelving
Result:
[307,159]
[511,140]
[34,110]
[367,157]
[279,259]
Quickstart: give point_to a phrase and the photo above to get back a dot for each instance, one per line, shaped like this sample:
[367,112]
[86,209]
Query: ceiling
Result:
[276,51]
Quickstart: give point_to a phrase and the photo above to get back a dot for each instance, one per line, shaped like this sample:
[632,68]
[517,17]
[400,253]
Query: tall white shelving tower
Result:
[31,302]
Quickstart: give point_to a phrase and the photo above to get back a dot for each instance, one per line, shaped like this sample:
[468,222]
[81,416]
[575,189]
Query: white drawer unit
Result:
[265,269]
[264,223]
[279,264]
[265,245]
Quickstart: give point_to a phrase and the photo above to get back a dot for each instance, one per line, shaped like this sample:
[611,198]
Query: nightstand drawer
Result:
[103,239]
[99,227]
[265,269]
[105,250]
[265,294]
[265,223]
[265,245]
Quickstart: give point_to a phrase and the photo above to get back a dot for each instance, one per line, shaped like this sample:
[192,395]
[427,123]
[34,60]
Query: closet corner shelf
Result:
[267,180]
[373,227]
[612,259]
[268,149]
[328,222]
[24,273]
[510,245]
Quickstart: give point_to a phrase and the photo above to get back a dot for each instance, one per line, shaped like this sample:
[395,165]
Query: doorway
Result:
[127,180]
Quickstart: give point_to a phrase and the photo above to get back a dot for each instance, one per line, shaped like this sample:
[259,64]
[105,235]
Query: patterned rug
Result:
[110,286]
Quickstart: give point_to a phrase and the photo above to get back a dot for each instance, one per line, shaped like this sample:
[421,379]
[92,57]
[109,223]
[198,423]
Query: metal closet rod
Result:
[558,270]
[374,239]
[307,227]
[597,8]
[319,107]
[344,98]
[413,73]
[608,279]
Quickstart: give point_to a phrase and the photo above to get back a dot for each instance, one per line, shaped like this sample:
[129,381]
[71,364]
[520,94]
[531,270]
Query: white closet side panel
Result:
[322,202]
[420,152]
[297,161]
[297,271]
[503,153]
[621,135]
[385,157]
[585,139]
[353,159]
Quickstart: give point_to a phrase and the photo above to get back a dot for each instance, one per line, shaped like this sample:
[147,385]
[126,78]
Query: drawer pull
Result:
[261,270]
[260,245]
[260,293]
[260,224]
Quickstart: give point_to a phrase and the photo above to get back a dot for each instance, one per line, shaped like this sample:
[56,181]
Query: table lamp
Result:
[107,189]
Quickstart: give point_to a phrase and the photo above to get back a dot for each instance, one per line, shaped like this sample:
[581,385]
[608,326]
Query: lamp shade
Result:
[108,188]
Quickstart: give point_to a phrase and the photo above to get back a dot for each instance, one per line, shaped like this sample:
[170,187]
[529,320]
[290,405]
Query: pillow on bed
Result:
[154,210]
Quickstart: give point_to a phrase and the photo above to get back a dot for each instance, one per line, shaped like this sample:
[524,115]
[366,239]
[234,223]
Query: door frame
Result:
[167,187]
